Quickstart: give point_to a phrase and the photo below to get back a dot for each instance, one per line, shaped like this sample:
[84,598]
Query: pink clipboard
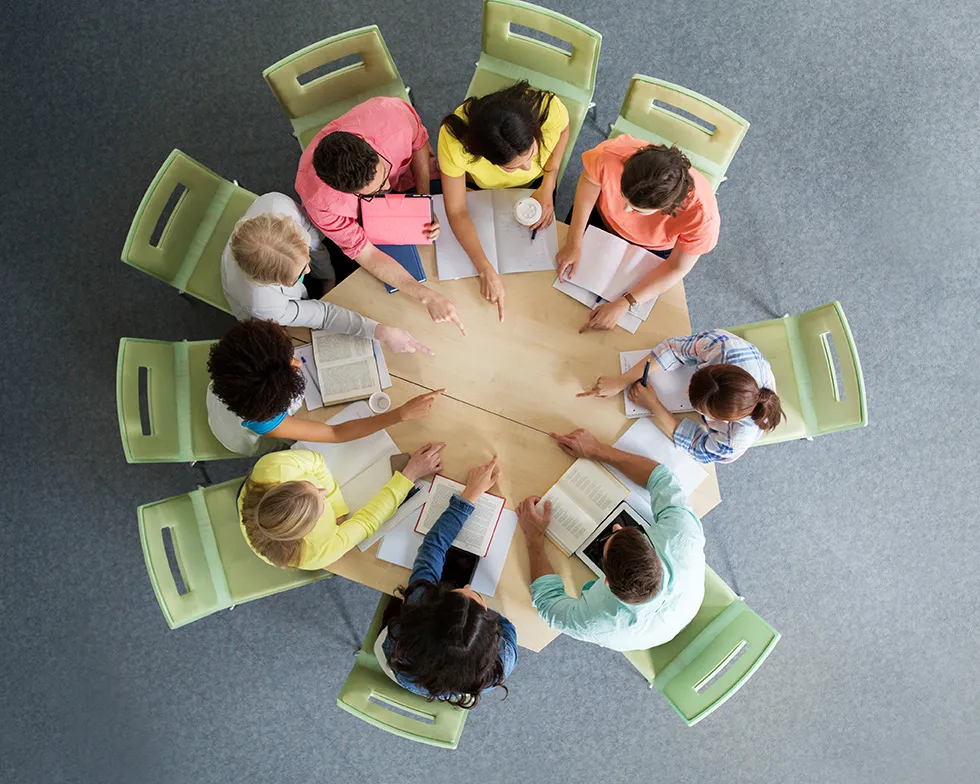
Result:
[397,219]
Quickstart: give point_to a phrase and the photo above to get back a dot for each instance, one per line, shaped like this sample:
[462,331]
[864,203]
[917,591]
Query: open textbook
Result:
[670,386]
[311,393]
[506,242]
[581,500]
[477,532]
[346,367]
[611,266]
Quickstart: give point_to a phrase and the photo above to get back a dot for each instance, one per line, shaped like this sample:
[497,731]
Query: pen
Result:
[317,386]
[646,373]
[534,233]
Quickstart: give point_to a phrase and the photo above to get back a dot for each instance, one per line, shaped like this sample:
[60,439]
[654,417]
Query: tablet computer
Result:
[459,568]
[591,550]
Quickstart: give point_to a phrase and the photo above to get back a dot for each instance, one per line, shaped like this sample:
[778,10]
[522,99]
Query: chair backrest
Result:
[375,69]
[839,403]
[187,252]
[370,695]
[502,44]
[215,567]
[665,113]
[712,657]
[172,379]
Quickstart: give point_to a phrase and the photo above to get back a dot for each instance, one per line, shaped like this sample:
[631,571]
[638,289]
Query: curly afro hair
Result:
[251,370]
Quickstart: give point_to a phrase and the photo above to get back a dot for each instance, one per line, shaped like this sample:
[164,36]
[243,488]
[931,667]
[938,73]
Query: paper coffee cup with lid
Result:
[379,402]
[528,211]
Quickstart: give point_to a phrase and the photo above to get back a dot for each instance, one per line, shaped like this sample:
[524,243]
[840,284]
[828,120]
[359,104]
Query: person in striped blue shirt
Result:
[733,390]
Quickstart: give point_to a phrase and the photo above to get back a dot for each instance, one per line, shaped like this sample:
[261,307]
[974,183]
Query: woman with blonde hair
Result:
[293,514]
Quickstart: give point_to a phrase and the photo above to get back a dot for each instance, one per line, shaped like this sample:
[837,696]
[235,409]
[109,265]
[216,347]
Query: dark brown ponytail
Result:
[729,393]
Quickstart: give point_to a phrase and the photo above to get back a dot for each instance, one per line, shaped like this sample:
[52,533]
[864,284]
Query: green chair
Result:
[507,56]
[216,566]
[373,697]
[176,383]
[187,254]
[712,657]
[801,350]
[707,132]
[311,105]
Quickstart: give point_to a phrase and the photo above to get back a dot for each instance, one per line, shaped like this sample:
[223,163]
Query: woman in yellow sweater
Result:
[513,138]
[292,511]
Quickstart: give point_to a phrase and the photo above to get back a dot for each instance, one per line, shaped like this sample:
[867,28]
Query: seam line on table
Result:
[479,408]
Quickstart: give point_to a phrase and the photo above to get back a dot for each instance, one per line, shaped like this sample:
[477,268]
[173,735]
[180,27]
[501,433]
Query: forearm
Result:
[389,271]
[663,276]
[540,563]
[635,373]
[636,467]
[322,433]
[664,419]
[431,557]
[586,195]
[318,314]
[419,167]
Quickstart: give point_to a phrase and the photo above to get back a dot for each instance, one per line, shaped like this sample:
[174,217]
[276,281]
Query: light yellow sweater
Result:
[328,540]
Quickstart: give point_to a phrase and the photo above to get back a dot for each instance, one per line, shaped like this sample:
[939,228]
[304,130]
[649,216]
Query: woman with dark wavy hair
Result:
[445,644]
[513,138]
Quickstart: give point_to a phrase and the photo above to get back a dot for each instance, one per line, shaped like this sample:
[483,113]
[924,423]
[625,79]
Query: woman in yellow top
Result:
[512,138]
[292,511]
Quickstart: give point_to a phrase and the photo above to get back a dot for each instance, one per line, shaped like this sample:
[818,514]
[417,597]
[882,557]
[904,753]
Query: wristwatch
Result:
[631,300]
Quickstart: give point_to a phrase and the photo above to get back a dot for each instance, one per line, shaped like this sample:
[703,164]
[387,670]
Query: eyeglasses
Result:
[380,191]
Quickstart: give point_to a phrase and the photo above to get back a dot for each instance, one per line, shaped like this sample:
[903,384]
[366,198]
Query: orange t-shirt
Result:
[694,229]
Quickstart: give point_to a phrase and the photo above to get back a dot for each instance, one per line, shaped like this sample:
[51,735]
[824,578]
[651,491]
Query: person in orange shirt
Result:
[649,195]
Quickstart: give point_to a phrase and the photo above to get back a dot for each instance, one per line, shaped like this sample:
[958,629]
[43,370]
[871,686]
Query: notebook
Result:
[346,367]
[611,266]
[397,219]
[408,257]
[477,533]
[506,242]
[586,494]
[670,386]
[628,321]
[311,392]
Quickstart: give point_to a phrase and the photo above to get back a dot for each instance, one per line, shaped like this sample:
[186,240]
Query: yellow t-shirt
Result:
[454,161]
[328,541]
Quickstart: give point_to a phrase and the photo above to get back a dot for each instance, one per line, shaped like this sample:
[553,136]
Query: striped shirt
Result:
[715,441]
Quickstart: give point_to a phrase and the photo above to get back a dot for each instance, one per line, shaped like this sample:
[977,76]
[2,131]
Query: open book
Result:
[345,367]
[476,534]
[585,495]
[611,266]
[670,386]
[506,242]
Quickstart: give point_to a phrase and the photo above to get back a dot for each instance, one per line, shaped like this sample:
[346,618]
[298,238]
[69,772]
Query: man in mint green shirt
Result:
[654,583]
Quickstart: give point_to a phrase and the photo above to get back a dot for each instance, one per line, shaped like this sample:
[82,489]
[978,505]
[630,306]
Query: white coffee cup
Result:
[528,211]
[379,402]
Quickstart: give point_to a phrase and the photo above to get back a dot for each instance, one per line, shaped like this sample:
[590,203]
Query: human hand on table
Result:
[441,309]
[399,341]
[579,443]
[605,386]
[425,461]
[417,407]
[431,230]
[644,396]
[545,197]
[492,290]
[481,478]
[569,255]
[532,522]
[606,316]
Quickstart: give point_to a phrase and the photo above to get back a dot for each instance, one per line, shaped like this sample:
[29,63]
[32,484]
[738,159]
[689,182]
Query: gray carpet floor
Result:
[858,181]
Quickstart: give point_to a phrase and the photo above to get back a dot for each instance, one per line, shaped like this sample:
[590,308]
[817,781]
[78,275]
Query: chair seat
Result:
[486,81]
[309,125]
[772,339]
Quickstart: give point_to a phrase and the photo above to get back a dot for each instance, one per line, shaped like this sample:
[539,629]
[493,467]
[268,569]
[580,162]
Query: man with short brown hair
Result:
[654,581]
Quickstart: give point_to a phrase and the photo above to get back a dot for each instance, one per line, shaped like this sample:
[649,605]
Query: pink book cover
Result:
[397,219]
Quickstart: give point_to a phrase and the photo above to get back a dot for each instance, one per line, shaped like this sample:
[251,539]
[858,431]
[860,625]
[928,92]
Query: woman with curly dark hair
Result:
[445,644]
[257,385]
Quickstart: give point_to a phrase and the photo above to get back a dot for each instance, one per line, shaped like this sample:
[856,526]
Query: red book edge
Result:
[496,522]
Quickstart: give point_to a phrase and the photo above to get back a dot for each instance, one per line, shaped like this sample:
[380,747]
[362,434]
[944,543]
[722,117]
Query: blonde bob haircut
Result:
[271,249]
[278,516]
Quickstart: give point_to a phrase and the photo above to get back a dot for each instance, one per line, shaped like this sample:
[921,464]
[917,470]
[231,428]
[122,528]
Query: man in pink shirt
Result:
[379,145]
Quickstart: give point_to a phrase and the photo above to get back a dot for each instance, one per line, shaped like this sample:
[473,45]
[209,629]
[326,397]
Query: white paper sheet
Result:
[408,510]
[670,386]
[402,542]
[628,321]
[645,438]
[452,262]
[611,266]
[516,251]
[311,394]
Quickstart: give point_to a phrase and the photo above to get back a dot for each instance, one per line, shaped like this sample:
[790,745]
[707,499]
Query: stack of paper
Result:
[506,243]
[671,386]
[609,267]
[311,395]
[645,438]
